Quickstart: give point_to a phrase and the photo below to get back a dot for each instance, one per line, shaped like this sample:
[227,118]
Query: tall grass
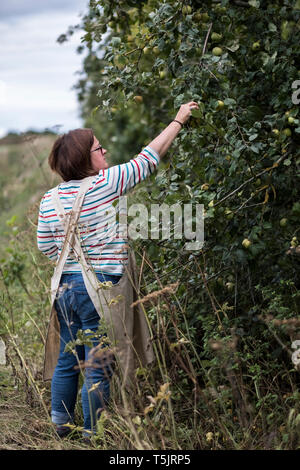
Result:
[206,389]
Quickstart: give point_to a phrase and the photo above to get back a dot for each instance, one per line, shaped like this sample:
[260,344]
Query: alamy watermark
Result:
[296,94]
[156,222]
[296,354]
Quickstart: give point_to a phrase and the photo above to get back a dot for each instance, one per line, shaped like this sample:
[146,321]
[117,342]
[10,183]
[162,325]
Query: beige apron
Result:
[127,327]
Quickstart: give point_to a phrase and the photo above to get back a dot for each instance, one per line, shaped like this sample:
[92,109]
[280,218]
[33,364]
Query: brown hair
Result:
[70,156]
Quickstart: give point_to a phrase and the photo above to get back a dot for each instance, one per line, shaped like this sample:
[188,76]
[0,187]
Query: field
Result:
[226,369]
[231,422]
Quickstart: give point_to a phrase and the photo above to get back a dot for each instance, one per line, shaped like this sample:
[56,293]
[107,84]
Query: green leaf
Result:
[254,148]
[11,221]
[296,208]
[234,46]
[197,113]
[229,102]
[254,3]
[272,27]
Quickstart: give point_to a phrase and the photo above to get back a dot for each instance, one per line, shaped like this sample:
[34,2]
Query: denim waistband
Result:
[67,277]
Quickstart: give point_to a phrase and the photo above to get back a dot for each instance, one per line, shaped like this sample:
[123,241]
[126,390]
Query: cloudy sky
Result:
[36,72]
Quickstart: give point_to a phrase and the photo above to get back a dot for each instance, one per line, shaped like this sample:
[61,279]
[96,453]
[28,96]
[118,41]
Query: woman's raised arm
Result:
[164,140]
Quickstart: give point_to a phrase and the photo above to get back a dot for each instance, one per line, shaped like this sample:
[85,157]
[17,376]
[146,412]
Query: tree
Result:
[238,155]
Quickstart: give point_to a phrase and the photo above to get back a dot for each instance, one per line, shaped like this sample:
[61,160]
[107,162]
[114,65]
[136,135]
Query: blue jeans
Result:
[76,311]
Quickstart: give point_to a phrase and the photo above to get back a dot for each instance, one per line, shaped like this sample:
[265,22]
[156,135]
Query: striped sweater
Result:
[98,225]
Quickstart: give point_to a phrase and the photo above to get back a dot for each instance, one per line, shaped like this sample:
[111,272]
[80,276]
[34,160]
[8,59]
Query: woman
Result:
[76,156]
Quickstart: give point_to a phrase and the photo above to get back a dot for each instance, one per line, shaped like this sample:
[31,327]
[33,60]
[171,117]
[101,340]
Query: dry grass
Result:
[23,421]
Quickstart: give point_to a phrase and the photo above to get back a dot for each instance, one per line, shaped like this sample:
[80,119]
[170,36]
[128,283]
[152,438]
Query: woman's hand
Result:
[163,141]
[185,111]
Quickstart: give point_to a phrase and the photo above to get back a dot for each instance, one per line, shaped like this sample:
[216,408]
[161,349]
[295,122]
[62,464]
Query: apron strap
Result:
[72,240]
[69,222]
[77,203]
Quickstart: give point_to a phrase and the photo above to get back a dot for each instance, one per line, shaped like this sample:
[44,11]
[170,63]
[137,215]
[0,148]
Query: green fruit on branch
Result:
[255,46]
[287,132]
[246,243]
[204,17]
[186,9]
[291,120]
[220,104]
[162,74]
[275,131]
[217,51]
[283,222]
[294,242]
[220,9]
[216,37]
[197,16]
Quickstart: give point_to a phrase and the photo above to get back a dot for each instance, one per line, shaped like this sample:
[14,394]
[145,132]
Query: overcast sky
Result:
[36,72]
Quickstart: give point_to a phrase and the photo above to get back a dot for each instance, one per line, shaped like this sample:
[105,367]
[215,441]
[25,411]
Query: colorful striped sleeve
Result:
[125,176]
[45,239]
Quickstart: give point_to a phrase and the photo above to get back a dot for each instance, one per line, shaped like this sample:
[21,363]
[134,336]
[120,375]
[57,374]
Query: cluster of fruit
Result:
[286,131]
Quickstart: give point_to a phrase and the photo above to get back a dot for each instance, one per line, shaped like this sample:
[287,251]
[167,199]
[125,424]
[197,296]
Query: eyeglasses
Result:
[98,148]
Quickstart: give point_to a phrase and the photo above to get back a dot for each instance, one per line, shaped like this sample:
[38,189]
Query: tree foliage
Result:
[238,155]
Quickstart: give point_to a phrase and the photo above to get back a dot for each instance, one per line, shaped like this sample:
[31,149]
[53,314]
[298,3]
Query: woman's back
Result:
[98,224]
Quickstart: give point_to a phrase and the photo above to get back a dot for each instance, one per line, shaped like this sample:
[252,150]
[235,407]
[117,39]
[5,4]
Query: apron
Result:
[126,326]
